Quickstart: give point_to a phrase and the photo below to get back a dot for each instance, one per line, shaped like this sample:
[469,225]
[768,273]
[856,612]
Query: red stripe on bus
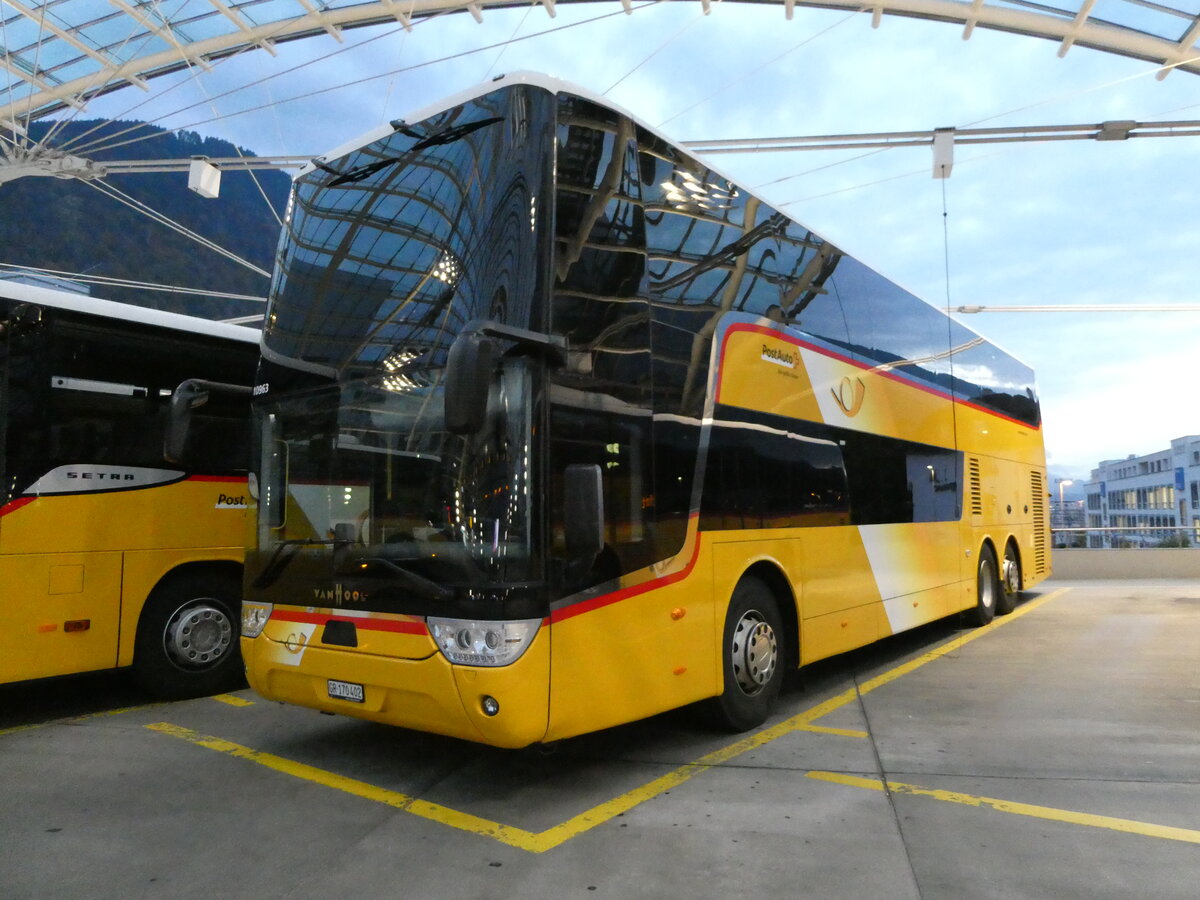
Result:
[586,606]
[769,332]
[226,479]
[392,625]
[15,505]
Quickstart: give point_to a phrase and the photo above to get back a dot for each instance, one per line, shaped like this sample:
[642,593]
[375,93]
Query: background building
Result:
[1150,501]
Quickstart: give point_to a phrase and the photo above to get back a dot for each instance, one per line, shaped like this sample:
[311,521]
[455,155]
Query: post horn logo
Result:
[295,643]
[849,395]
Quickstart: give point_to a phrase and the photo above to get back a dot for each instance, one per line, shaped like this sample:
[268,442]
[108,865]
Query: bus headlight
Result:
[254,618]
[472,643]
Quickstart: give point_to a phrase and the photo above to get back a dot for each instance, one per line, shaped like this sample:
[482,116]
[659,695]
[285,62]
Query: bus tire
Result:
[1009,577]
[751,658]
[187,637]
[987,589]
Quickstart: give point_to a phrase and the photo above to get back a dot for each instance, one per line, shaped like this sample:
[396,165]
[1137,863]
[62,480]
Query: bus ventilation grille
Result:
[1038,484]
[975,486]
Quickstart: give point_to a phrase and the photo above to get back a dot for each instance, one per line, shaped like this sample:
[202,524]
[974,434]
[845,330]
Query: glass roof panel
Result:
[121,31]
[1170,24]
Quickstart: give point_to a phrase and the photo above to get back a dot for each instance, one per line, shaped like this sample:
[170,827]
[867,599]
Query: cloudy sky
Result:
[1065,223]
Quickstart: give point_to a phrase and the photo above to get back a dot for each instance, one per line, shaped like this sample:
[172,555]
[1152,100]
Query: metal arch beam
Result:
[65,34]
[1077,29]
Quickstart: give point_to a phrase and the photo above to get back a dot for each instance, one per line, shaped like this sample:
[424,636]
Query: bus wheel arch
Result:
[785,602]
[1010,574]
[754,650]
[187,634]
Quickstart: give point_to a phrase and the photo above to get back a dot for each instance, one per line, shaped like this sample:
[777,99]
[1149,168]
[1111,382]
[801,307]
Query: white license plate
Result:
[346,690]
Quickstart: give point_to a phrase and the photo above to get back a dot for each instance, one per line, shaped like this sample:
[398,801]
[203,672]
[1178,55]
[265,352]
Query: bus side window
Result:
[620,448]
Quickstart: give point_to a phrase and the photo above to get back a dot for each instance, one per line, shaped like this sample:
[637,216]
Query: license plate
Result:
[346,690]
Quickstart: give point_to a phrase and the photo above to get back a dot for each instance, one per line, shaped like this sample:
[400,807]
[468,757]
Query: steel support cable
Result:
[108,281]
[840,162]
[653,53]
[245,49]
[857,187]
[1098,87]
[767,64]
[397,71]
[236,149]
[387,97]
[884,148]
[1102,131]
[151,213]
[37,58]
[511,38]
[97,79]
[248,85]
[12,94]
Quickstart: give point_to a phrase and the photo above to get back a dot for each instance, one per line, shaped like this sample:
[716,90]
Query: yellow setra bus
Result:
[558,428]
[111,555]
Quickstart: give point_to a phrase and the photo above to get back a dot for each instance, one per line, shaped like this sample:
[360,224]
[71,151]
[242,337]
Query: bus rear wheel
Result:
[1010,581]
[752,658]
[187,638]
[987,589]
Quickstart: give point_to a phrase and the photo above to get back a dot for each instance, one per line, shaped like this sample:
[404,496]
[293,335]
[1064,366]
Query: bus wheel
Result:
[187,638]
[752,658]
[987,589]
[1010,581]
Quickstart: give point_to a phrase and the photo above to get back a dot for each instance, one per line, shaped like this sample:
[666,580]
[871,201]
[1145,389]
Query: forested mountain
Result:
[70,226]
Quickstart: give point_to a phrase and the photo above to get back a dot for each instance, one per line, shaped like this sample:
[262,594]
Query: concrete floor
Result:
[1054,754]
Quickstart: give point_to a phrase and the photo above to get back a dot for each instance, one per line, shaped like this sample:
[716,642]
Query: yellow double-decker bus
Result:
[558,428]
[111,555]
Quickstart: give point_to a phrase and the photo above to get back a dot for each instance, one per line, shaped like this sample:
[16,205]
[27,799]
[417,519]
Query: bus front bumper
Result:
[428,694]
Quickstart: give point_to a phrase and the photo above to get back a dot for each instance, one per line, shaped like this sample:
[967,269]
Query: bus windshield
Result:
[361,484]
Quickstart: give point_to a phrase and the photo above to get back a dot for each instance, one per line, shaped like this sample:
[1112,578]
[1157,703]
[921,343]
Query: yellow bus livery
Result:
[110,555]
[557,428]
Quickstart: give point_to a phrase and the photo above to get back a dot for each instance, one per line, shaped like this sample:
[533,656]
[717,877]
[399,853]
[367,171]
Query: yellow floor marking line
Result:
[74,719]
[539,842]
[516,837]
[1128,826]
[233,700]
[841,732]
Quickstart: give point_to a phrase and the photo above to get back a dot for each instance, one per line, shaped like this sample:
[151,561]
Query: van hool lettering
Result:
[338,595]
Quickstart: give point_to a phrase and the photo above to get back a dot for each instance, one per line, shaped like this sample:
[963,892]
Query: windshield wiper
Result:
[283,555]
[447,136]
[418,584]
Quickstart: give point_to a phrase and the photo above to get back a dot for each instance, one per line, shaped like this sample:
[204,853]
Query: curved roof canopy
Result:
[61,53]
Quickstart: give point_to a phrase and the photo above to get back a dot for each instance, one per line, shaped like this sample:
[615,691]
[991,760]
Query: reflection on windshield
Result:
[363,481]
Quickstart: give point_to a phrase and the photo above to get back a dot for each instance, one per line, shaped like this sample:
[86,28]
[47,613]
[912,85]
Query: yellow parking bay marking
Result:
[230,699]
[233,700]
[1128,826]
[506,834]
[539,842]
[841,732]
[76,719]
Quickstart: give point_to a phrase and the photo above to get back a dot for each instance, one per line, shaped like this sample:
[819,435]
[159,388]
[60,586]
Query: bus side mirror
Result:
[469,368]
[583,511]
[188,396]
[179,437]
